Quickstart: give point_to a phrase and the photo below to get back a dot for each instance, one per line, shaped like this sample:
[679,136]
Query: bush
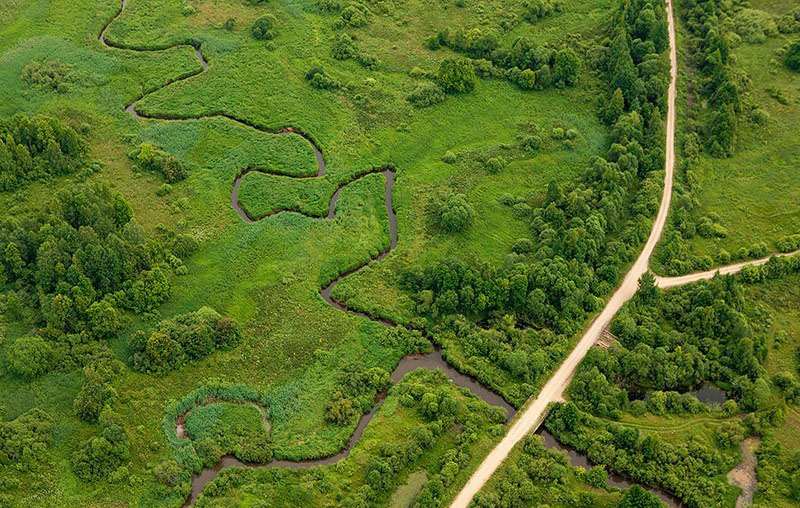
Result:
[185,337]
[29,357]
[100,456]
[495,164]
[49,76]
[456,75]
[264,28]
[426,94]
[449,157]
[792,56]
[343,47]
[455,214]
[151,158]
[318,78]
[229,24]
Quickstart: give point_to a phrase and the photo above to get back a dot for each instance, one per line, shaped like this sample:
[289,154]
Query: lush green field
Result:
[752,194]
[267,275]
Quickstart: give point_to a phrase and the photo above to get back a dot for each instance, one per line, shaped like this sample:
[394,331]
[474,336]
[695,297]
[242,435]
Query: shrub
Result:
[426,94]
[343,47]
[792,56]
[185,337]
[100,456]
[229,24]
[188,10]
[557,133]
[455,214]
[318,78]
[495,164]
[456,75]
[49,76]
[264,28]
[24,439]
[353,16]
[151,158]
[29,357]
[449,157]
[531,143]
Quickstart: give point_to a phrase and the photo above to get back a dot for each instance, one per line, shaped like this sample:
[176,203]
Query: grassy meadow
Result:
[267,275]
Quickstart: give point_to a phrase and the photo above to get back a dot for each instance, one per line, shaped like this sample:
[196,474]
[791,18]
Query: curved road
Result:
[671,282]
[553,390]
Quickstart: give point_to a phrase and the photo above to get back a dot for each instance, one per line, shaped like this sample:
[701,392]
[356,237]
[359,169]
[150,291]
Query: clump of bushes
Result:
[355,392]
[425,95]
[150,158]
[456,75]
[538,9]
[100,456]
[52,75]
[792,56]
[318,78]
[789,243]
[183,338]
[265,27]
[24,440]
[455,214]
[37,148]
[29,357]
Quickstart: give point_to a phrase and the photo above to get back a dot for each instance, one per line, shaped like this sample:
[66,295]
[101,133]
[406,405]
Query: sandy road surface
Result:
[671,282]
[553,390]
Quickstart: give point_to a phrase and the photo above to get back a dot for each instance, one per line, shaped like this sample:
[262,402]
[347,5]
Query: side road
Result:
[671,282]
[553,390]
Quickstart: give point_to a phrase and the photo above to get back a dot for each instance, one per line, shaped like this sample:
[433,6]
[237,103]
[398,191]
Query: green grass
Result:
[267,275]
[754,192]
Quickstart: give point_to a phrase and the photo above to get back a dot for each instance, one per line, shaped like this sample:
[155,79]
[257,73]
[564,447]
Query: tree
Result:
[792,57]
[614,107]
[29,357]
[264,27]
[648,291]
[566,67]
[637,497]
[456,75]
[455,214]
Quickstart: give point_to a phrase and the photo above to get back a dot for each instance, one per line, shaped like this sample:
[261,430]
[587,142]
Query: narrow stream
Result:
[432,360]
[614,479]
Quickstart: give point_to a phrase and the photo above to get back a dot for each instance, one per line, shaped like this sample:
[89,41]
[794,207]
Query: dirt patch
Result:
[744,474]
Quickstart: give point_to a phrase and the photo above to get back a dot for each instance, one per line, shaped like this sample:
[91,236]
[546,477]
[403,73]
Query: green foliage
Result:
[100,456]
[637,497]
[355,392]
[184,338]
[455,214]
[425,95]
[318,78]
[25,439]
[691,470]
[97,393]
[223,427]
[37,148]
[29,357]
[456,75]
[265,27]
[538,9]
[150,158]
[792,57]
[52,75]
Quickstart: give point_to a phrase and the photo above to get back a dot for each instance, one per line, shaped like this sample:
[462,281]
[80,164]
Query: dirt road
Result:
[554,388]
[671,282]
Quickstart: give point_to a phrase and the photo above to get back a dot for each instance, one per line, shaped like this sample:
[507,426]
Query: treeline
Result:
[35,149]
[541,477]
[73,267]
[183,338]
[584,233]
[529,65]
[690,469]
[718,84]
